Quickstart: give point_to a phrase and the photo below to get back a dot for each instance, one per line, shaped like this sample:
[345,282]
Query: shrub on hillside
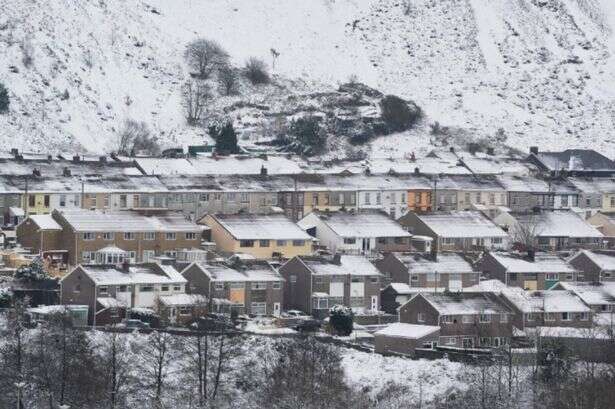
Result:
[399,115]
[309,134]
[225,137]
[204,56]
[256,71]
[4,99]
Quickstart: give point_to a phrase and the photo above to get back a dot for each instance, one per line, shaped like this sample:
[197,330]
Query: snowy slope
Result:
[543,70]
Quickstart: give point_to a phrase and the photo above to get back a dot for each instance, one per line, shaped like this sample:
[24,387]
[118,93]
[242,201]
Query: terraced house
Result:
[85,233]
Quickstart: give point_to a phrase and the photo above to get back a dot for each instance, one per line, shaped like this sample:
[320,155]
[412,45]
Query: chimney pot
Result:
[534,150]
[66,172]
[263,170]
[76,158]
[36,172]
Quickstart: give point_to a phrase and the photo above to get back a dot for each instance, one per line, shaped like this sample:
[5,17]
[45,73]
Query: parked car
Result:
[311,325]
[133,324]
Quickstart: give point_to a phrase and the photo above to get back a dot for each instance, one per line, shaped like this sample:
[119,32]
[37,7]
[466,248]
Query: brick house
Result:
[394,295]
[250,287]
[129,286]
[86,232]
[596,266]
[447,271]
[181,308]
[466,320]
[262,236]
[553,308]
[350,232]
[315,284]
[457,230]
[535,272]
[42,233]
[600,297]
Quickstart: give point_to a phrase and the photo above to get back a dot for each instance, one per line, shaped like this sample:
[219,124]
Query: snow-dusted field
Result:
[541,70]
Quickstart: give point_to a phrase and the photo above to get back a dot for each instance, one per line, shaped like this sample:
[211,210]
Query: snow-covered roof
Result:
[559,223]
[251,271]
[362,224]
[603,261]
[55,309]
[515,183]
[592,293]
[544,301]
[570,332]
[410,331]
[465,303]
[462,224]
[401,288]
[543,263]
[445,263]
[594,185]
[137,274]
[112,249]
[82,220]
[182,299]
[17,211]
[575,160]
[492,286]
[348,265]
[261,227]
[110,302]
[45,222]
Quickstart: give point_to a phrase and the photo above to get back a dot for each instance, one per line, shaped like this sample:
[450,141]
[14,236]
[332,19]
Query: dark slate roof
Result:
[576,160]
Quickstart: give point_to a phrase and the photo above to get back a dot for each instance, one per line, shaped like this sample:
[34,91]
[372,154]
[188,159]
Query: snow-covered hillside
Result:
[543,70]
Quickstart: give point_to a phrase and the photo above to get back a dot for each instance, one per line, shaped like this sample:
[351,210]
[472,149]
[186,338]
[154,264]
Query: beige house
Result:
[262,236]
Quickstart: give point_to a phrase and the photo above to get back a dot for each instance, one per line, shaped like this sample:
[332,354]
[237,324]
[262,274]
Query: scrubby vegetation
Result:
[4,99]
[256,71]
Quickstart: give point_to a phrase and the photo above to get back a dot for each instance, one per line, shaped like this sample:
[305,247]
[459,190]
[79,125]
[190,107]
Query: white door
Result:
[374,303]
[276,309]
[172,315]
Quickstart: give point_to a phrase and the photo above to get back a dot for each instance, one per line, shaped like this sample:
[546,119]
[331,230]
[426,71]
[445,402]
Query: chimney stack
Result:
[417,171]
[263,170]
[49,158]
[14,151]
[534,150]
[337,259]
[76,158]
[36,172]
[125,266]
[66,172]
[102,159]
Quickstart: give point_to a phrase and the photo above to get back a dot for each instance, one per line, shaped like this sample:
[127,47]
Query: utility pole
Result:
[82,194]
[25,199]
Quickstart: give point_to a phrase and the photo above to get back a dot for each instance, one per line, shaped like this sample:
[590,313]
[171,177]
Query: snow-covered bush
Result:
[340,319]
[256,71]
[5,297]
[308,134]
[31,272]
[4,99]
[228,81]
[225,137]
[205,56]
[398,114]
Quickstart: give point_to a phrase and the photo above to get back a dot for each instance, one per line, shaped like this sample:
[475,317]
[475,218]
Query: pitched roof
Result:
[575,160]
[349,264]
[127,221]
[410,331]
[603,261]
[592,293]
[149,273]
[261,227]
[362,224]
[182,299]
[559,223]
[462,224]
[45,222]
[445,263]
[465,303]
[544,301]
[248,272]
[543,263]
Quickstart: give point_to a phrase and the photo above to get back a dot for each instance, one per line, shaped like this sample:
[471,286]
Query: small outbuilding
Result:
[405,338]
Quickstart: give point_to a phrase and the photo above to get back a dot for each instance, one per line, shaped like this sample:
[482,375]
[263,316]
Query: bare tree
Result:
[526,231]
[157,354]
[135,136]
[205,56]
[116,371]
[256,71]
[195,97]
[228,80]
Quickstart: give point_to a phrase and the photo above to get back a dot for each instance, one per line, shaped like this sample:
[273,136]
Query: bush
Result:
[136,137]
[32,272]
[227,78]
[399,115]
[340,318]
[256,71]
[225,137]
[5,298]
[309,134]
[4,99]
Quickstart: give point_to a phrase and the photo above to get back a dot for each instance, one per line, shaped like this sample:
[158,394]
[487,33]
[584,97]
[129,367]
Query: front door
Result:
[374,303]
[276,309]
[366,245]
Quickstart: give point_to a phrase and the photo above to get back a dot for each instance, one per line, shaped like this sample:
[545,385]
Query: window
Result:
[315,199]
[77,288]
[177,288]
[566,316]
[123,201]
[529,317]
[349,240]
[149,235]
[259,286]
[219,286]
[122,288]
[564,201]
[549,316]
[263,243]
[420,317]
[298,243]
[31,200]
[446,319]
[46,200]
[503,317]
[378,198]
[414,278]
[467,319]
[467,197]
[293,278]
[402,197]
[485,341]
[218,196]
[245,198]
[170,236]
[184,310]
[484,318]
[148,255]
[132,255]
[393,197]
[259,308]
[496,240]
[491,198]
[103,290]
[319,280]
[107,236]
[612,201]
[88,236]
[374,280]
[230,197]
[204,197]
[551,276]
[146,288]
[62,200]
[246,243]
[190,236]
[281,243]
[399,240]
[276,285]
[449,340]
[417,198]
[129,236]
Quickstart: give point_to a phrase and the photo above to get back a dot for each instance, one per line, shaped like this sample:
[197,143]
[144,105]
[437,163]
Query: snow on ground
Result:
[541,70]
[375,372]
